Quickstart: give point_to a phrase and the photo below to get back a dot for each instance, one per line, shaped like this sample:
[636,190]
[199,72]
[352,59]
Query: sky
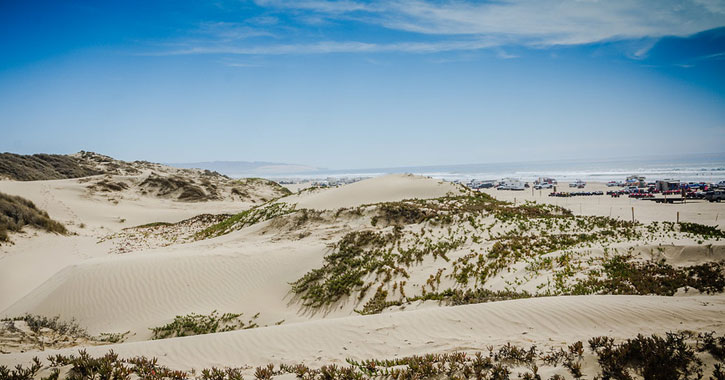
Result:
[356,84]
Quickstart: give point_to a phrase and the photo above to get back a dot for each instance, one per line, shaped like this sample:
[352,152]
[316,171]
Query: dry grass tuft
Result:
[17,212]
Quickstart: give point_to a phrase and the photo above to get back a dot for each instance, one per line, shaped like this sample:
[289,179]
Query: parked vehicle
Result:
[543,186]
[576,194]
[641,195]
[479,184]
[510,184]
[578,184]
[715,195]
[543,180]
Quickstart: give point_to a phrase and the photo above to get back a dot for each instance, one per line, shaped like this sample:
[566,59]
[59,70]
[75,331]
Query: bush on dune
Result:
[199,324]
[676,356]
[17,212]
[42,332]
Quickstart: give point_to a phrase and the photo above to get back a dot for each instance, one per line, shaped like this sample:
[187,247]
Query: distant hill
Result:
[247,168]
[137,178]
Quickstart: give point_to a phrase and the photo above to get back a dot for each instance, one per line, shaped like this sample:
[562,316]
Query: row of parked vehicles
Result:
[712,195]
[666,188]
[576,194]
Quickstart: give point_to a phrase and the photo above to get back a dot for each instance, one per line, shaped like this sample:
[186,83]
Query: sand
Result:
[388,188]
[35,256]
[249,271]
[696,210]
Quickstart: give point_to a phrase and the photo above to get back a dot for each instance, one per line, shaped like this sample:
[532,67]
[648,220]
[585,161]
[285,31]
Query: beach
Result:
[84,277]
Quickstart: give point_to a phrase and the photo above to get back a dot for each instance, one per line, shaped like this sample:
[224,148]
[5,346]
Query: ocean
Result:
[683,167]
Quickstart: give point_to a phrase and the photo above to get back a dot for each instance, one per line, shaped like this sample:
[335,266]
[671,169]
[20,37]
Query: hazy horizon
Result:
[709,167]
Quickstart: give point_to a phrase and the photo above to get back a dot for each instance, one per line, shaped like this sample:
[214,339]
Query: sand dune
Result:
[250,270]
[544,322]
[139,291]
[34,256]
[389,188]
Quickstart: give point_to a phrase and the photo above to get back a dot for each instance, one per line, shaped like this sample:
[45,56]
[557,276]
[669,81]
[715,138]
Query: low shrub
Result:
[701,230]
[622,275]
[17,212]
[650,357]
[246,218]
[199,324]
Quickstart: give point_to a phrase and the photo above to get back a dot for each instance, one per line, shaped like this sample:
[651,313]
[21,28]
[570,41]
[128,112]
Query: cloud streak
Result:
[326,47]
[545,22]
[459,25]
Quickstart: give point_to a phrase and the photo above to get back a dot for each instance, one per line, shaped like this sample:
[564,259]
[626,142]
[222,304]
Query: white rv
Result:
[510,184]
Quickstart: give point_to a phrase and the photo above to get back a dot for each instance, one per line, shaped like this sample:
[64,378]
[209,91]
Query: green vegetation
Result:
[107,185]
[246,218]
[185,189]
[155,224]
[402,213]
[198,324]
[623,275]
[17,212]
[42,167]
[675,356]
[654,357]
[39,325]
[529,233]
[443,210]
[470,296]
[701,230]
[279,189]
[38,322]
[378,303]
[356,255]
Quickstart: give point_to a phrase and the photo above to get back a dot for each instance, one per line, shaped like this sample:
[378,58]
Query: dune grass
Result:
[246,218]
[199,324]
[62,331]
[42,167]
[17,212]
[276,187]
[527,233]
[672,356]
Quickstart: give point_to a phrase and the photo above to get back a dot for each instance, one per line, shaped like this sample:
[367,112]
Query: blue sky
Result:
[353,84]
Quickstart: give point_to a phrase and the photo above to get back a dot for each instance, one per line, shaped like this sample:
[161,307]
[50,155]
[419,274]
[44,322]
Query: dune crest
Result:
[388,188]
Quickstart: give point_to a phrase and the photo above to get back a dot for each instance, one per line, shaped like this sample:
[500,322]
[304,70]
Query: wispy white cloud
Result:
[504,55]
[230,31]
[324,47]
[454,25]
[539,22]
[241,64]
[321,6]
[263,20]
[716,56]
